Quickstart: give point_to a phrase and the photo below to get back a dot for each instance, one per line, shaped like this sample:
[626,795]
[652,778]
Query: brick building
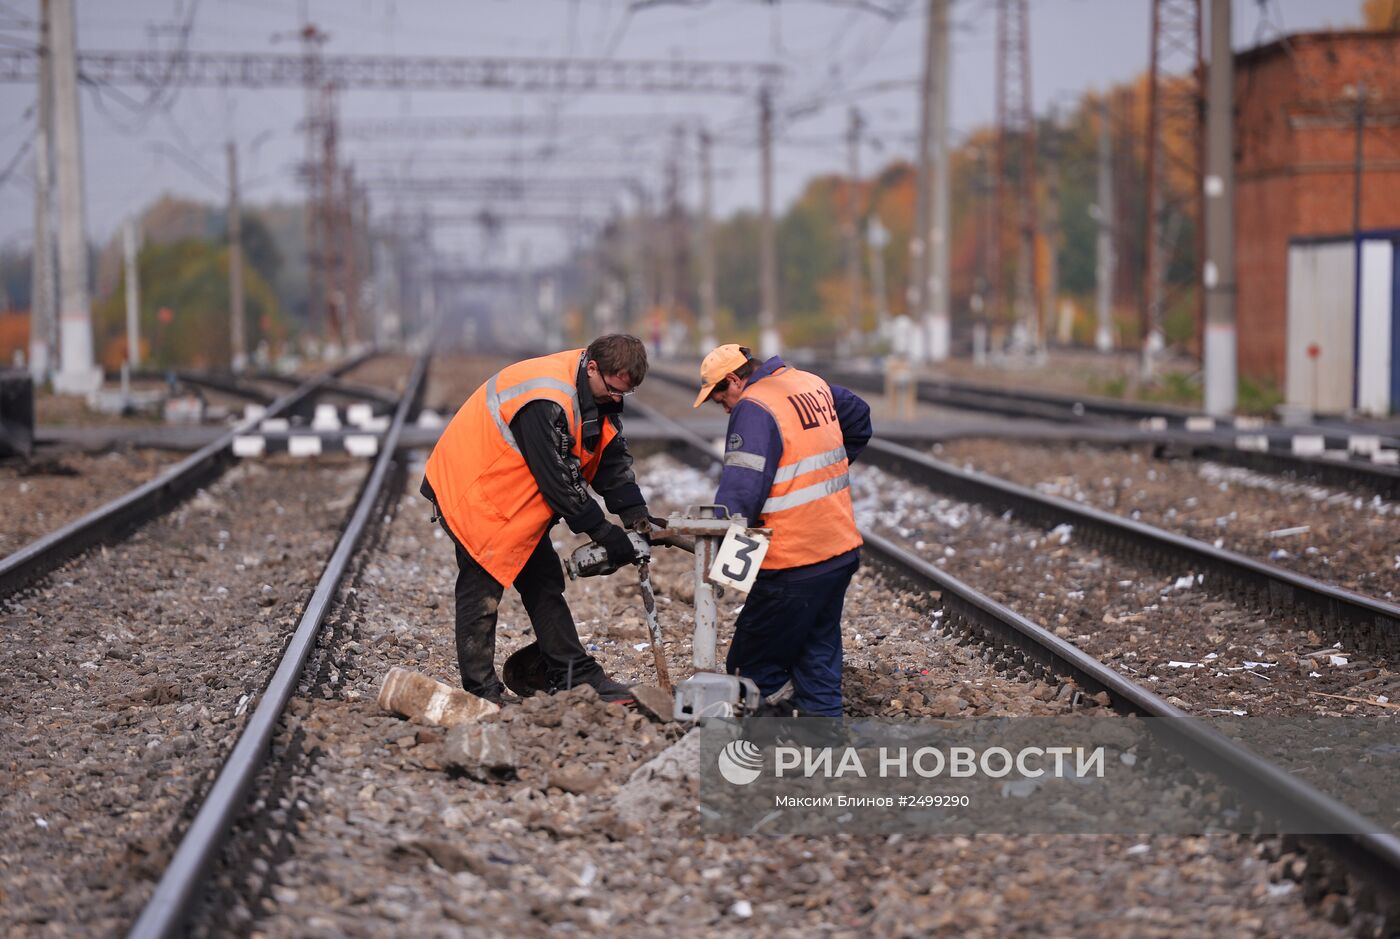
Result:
[1295,147]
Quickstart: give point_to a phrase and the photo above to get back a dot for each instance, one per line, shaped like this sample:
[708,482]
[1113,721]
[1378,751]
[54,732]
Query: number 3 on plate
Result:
[738,558]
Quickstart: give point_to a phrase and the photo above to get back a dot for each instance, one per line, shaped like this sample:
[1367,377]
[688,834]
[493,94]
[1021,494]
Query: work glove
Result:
[633,515]
[638,519]
[619,547]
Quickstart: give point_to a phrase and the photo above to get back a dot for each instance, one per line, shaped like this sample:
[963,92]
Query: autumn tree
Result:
[1381,15]
[185,308]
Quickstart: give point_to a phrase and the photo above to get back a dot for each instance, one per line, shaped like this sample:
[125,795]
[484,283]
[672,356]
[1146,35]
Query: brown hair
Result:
[618,354]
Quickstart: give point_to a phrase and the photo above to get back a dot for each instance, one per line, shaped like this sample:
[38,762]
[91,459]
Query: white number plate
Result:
[737,560]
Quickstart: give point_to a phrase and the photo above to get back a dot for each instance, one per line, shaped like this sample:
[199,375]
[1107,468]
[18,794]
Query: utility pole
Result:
[707,248]
[349,253]
[238,343]
[1218,272]
[77,373]
[130,242]
[853,328]
[877,238]
[987,231]
[41,303]
[1050,226]
[1127,225]
[1358,165]
[1103,255]
[937,313]
[768,341]
[317,126]
[920,265]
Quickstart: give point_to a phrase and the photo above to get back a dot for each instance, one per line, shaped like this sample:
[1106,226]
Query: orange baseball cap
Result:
[723,360]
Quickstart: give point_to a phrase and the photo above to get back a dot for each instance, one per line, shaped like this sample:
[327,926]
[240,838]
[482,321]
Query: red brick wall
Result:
[1294,146]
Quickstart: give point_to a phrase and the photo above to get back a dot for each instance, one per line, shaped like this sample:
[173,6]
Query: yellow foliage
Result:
[1381,15]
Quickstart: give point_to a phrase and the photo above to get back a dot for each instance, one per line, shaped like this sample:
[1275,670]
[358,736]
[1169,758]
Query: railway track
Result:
[112,520]
[1366,852]
[1327,533]
[312,874]
[1254,447]
[1357,620]
[132,668]
[169,906]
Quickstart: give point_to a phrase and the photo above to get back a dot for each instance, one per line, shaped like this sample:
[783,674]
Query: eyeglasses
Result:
[615,392]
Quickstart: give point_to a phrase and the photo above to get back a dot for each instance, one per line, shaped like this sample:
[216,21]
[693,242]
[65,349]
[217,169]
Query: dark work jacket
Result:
[541,430]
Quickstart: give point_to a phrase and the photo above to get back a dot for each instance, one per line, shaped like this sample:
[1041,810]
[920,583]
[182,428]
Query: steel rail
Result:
[1366,621]
[147,500]
[342,387]
[1361,844]
[169,906]
[216,381]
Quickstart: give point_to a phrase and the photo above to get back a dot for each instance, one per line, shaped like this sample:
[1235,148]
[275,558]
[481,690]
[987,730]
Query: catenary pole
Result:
[77,373]
[938,316]
[238,342]
[769,343]
[1218,272]
[130,244]
[41,303]
[916,298]
[1104,261]
[707,248]
[852,220]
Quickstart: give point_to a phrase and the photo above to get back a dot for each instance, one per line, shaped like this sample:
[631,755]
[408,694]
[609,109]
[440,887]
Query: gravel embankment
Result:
[1203,651]
[389,843]
[47,493]
[128,675]
[1335,536]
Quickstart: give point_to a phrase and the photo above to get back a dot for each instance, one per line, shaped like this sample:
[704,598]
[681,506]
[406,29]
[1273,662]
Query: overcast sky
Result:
[827,47]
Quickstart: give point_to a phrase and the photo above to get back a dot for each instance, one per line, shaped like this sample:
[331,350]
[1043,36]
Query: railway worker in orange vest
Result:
[518,456]
[790,441]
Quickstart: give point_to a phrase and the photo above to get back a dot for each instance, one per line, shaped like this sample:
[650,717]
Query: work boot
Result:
[608,689]
[495,692]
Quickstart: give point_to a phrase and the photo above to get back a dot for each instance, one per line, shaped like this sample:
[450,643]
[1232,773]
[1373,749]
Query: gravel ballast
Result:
[44,494]
[1326,533]
[390,840]
[1202,650]
[129,672]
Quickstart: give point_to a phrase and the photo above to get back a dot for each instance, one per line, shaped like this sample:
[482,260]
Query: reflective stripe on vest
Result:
[486,493]
[809,504]
[817,490]
[494,400]
[794,470]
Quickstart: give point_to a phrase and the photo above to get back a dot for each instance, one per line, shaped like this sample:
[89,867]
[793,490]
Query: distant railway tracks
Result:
[147,501]
[135,669]
[1353,856]
[1255,446]
[1372,856]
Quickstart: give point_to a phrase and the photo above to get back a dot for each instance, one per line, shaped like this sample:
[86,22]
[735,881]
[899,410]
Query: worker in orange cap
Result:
[790,441]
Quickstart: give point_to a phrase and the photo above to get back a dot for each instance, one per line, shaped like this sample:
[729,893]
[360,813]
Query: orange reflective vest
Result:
[485,491]
[809,506]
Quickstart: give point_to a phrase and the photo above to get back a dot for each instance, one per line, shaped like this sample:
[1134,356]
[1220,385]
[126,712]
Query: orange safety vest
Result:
[809,506]
[485,491]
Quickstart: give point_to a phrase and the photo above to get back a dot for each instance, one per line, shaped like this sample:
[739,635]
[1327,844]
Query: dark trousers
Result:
[791,631]
[541,587]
